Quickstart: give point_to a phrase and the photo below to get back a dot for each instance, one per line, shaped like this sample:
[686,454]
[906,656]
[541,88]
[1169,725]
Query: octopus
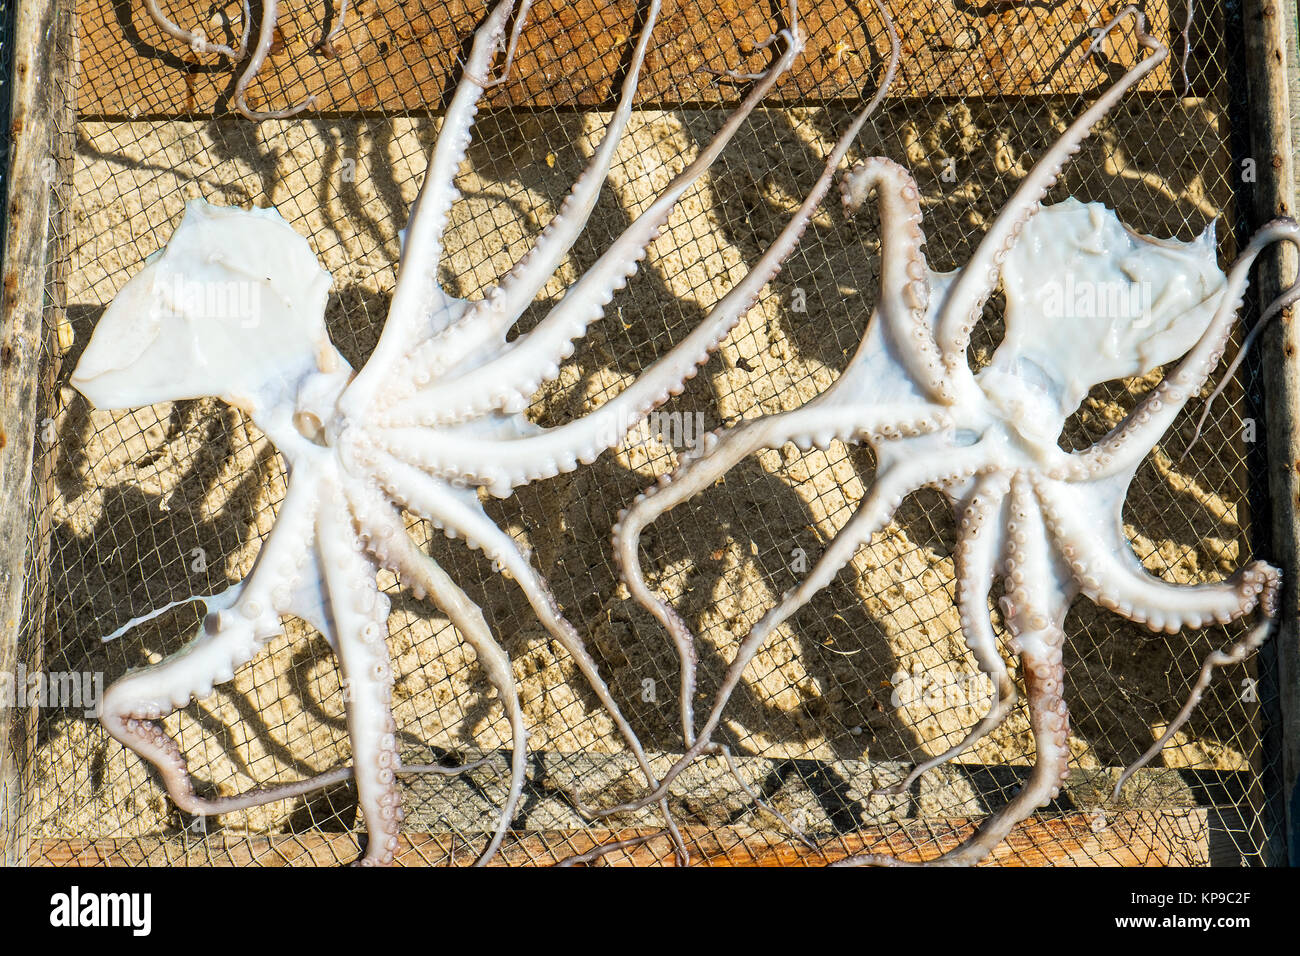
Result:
[434,424]
[1045,520]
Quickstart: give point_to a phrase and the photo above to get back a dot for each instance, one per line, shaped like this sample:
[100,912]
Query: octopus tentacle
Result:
[459,515]
[419,304]
[535,358]
[520,18]
[874,511]
[1109,574]
[265,37]
[237,626]
[386,538]
[502,463]
[149,741]
[904,289]
[979,277]
[467,617]
[1235,654]
[196,41]
[492,316]
[507,383]
[977,557]
[718,453]
[1044,674]
[1127,443]
[239,623]
[450,354]
[360,615]
[558,450]
[327,42]
[1036,602]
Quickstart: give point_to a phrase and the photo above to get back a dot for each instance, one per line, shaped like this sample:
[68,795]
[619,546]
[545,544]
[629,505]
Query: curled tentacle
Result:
[237,626]
[327,42]
[239,622]
[265,37]
[904,289]
[1109,574]
[197,41]
[874,511]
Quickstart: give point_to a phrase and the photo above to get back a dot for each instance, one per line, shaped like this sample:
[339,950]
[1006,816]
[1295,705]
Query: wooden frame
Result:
[41,102]
[1273,73]
[406,54]
[40,108]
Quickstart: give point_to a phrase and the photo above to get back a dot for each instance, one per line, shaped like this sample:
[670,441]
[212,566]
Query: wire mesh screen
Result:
[148,506]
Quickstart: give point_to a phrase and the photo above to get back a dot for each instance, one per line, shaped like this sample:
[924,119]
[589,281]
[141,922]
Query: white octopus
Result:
[1049,522]
[433,419]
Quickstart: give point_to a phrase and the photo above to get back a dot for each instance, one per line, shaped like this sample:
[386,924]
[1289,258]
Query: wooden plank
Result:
[1164,817]
[819,794]
[1269,28]
[39,109]
[399,56]
[1128,838]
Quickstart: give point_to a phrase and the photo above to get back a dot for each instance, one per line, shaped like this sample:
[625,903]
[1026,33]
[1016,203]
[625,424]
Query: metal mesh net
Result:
[148,506]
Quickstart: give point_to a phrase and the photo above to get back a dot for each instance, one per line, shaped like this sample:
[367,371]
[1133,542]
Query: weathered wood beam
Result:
[1133,838]
[1163,817]
[400,56]
[39,111]
[1270,27]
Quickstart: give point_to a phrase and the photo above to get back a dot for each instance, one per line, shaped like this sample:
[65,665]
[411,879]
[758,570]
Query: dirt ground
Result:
[157,503]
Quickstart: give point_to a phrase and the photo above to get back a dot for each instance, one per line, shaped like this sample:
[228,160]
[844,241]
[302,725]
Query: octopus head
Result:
[1088,301]
[233,306]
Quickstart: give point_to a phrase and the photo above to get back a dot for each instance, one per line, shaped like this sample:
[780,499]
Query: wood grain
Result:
[1125,838]
[400,56]
[38,123]
[1270,27]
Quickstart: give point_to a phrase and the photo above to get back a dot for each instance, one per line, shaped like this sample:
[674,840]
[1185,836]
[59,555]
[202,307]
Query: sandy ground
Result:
[157,503]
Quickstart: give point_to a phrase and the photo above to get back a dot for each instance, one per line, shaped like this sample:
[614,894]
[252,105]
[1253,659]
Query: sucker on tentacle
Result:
[1050,520]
